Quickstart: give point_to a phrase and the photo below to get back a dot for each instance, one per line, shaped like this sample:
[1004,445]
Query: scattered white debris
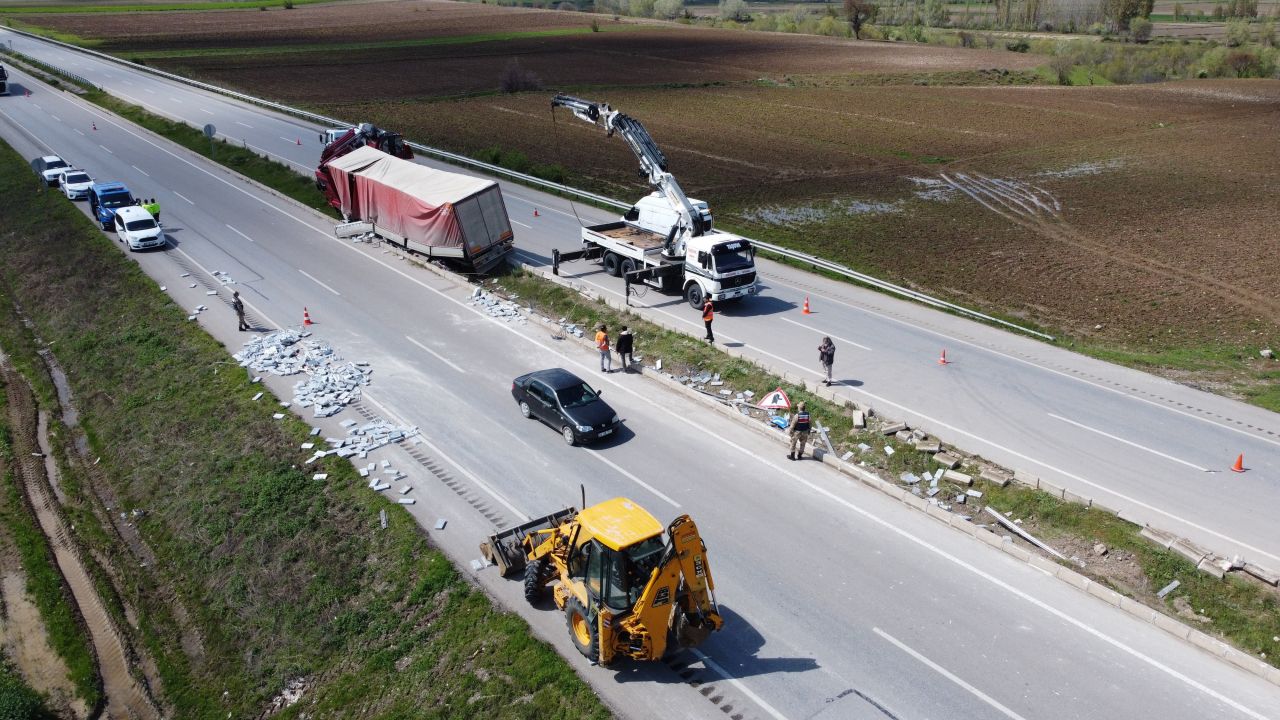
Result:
[278,416]
[308,445]
[406,501]
[382,518]
[331,384]
[440,523]
[257,397]
[497,307]
[320,476]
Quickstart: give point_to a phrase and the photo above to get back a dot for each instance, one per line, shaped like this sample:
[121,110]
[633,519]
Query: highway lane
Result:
[839,599]
[1155,450]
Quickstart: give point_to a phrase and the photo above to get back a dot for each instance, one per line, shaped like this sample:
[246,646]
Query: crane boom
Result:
[653,165]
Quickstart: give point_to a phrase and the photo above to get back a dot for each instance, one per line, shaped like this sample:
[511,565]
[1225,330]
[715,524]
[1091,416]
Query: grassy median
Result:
[280,576]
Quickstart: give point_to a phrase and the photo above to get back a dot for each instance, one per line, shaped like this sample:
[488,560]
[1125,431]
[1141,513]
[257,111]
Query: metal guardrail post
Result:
[547,184]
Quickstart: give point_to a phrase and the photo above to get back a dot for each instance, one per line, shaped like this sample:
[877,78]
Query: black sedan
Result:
[563,401]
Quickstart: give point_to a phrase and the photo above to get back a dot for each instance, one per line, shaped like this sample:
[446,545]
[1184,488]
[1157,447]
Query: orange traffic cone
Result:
[942,359]
[806,306]
[299,141]
[306,317]
[535,212]
[1239,466]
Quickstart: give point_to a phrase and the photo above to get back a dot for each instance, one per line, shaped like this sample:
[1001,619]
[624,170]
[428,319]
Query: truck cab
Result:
[105,199]
[4,81]
[654,213]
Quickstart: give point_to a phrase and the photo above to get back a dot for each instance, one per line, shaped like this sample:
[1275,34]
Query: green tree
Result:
[668,9]
[1243,62]
[1140,29]
[735,10]
[1237,33]
[860,12]
[1177,11]
[935,13]
[1120,12]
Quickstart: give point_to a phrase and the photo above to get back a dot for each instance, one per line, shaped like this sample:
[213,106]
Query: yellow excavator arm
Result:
[680,594]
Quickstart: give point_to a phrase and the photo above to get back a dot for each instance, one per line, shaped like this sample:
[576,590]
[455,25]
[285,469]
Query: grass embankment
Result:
[17,700]
[1240,610]
[281,576]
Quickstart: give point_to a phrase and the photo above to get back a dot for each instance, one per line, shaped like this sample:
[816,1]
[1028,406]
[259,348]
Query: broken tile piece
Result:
[257,397]
[440,523]
[320,476]
[308,446]
[406,501]
[278,416]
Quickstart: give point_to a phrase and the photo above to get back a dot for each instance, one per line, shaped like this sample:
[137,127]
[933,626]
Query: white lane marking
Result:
[135,167]
[517,222]
[174,99]
[260,313]
[948,675]
[55,117]
[436,355]
[181,196]
[246,237]
[737,683]
[285,139]
[965,433]
[314,280]
[153,92]
[244,124]
[541,206]
[78,130]
[426,440]
[104,147]
[1038,366]
[37,106]
[693,426]
[846,341]
[127,82]
[205,111]
[631,477]
[1127,442]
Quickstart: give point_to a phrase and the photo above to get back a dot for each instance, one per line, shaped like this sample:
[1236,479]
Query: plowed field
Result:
[1140,217]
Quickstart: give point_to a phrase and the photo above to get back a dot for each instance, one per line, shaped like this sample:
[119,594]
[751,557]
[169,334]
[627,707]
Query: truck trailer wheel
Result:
[628,266]
[693,294]
[612,264]
[584,633]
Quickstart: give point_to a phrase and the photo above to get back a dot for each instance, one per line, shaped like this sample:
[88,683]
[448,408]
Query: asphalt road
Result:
[1157,451]
[839,602]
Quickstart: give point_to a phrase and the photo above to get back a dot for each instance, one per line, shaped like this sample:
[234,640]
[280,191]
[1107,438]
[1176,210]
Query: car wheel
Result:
[525,410]
[693,294]
[611,264]
[567,433]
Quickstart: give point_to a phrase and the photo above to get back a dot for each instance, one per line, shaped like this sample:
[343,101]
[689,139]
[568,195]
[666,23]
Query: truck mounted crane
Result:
[666,240]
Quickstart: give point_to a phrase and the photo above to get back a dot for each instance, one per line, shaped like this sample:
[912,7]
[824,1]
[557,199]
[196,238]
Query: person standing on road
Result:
[624,344]
[799,430]
[238,305]
[827,356]
[153,207]
[602,344]
[708,314]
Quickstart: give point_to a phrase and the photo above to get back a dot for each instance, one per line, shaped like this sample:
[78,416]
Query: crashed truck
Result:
[458,219]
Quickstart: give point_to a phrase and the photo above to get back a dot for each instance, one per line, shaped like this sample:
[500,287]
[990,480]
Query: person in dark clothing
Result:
[623,348]
[708,314]
[238,305]
[827,356]
[799,431]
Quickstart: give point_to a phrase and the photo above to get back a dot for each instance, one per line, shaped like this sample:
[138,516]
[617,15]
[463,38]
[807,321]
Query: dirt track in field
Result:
[36,470]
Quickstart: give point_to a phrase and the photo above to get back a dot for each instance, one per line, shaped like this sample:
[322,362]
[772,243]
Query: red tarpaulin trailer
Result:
[441,214]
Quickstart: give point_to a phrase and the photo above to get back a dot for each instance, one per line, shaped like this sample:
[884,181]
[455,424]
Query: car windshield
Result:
[77,178]
[576,395]
[55,164]
[115,200]
[141,225]
[732,256]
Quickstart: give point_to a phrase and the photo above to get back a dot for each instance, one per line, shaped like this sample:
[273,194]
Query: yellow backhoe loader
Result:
[624,590]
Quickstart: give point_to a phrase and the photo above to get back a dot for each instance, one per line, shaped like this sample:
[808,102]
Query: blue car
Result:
[105,198]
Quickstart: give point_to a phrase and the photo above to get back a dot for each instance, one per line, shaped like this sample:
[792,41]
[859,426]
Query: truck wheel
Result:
[567,433]
[525,410]
[611,264]
[693,294]
[582,631]
[628,266]
[535,574]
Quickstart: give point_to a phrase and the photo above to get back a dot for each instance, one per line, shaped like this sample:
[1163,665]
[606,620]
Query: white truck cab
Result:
[654,213]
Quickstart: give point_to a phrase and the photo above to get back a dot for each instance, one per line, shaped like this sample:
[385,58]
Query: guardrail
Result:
[557,188]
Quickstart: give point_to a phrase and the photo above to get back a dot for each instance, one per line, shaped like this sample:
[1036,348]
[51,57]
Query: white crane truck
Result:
[665,240]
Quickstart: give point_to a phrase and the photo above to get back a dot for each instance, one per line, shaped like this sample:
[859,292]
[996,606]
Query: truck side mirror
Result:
[632,215]
[702,258]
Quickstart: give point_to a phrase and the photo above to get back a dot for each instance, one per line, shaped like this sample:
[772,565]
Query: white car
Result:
[137,228]
[50,167]
[75,184]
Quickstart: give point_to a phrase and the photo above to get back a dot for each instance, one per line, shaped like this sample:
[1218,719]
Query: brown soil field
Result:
[1139,217]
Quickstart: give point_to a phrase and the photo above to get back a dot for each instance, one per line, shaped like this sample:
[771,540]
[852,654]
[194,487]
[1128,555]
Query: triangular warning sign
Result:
[776,400]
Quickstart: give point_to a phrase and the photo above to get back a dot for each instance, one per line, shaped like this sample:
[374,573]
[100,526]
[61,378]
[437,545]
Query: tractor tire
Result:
[612,264]
[693,295]
[584,633]
[535,575]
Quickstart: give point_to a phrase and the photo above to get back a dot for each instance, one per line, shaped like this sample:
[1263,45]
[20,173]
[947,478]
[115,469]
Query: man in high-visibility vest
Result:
[708,314]
[799,430]
[153,207]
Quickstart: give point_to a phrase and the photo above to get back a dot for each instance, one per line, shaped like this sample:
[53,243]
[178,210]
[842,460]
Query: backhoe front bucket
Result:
[505,548]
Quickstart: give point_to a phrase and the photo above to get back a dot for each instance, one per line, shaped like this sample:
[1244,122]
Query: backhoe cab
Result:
[625,591]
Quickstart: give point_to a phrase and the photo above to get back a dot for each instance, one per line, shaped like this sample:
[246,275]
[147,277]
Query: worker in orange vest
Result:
[708,314]
[602,344]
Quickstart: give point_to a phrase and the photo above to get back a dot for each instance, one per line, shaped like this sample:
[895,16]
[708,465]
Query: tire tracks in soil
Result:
[35,465]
